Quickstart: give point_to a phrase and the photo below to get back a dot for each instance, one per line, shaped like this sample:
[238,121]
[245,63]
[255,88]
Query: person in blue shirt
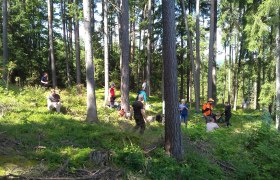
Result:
[142,92]
[183,108]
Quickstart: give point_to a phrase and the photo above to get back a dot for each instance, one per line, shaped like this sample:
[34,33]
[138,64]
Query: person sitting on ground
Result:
[44,80]
[139,114]
[211,126]
[54,101]
[112,95]
[207,110]
[183,108]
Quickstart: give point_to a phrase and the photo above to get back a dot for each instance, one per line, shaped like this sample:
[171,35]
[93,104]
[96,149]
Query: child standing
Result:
[183,108]
[112,95]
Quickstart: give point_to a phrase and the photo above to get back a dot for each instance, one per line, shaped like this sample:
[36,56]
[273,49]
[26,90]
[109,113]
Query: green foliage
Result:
[246,150]
[131,157]
[267,94]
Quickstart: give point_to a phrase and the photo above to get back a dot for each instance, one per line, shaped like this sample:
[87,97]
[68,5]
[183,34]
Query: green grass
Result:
[36,143]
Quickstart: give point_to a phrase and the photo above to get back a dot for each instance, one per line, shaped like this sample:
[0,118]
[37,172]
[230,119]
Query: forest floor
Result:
[38,144]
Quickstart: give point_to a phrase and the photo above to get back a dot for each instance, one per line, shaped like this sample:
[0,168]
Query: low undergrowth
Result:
[37,143]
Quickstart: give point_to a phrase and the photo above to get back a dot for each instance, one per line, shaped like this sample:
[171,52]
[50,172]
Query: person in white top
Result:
[54,101]
[211,126]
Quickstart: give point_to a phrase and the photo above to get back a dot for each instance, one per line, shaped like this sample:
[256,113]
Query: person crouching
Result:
[54,101]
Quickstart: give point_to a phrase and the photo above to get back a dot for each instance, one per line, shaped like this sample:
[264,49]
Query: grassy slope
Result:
[37,143]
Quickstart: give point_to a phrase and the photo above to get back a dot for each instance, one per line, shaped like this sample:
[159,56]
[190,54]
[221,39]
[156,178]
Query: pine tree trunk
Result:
[106,51]
[51,48]
[5,39]
[91,98]
[278,74]
[77,45]
[149,48]
[173,139]
[62,5]
[197,30]
[189,38]
[211,50]
[124,41]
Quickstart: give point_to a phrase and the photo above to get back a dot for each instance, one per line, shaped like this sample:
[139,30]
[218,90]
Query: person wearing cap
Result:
[139,114]
[183,108]
[207,110]
[112,95]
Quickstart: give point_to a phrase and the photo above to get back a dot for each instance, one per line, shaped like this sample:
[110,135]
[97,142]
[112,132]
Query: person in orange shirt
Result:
[207,110]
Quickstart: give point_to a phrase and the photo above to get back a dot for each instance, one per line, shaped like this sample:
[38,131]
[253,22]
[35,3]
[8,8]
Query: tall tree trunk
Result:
[70,34]
[106,51]
[51,49]
[278,74]
[211,50]
[62,5]
[189,38]
[173,139]
[181,62]
[5,39]
[124,37]
[91,99]
[149,48]
[197,30]
[77,44]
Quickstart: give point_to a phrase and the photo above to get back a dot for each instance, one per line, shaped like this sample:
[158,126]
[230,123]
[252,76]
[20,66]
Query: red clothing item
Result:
[112,92]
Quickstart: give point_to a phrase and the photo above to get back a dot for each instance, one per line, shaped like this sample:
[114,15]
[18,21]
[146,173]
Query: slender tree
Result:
[173,139]
[91,99]
[5,39]
[51,46]
[149,48]
[62,6]
[278,72]
[124,41]
[189,38]
[211,50]
[77,44]
[197,37]
[106,50]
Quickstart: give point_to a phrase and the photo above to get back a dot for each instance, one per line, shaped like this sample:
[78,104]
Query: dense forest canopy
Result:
[249,31]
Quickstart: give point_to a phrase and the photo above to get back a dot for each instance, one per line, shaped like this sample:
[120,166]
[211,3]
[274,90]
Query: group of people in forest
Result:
[53,101]
[210,117]
[138,106]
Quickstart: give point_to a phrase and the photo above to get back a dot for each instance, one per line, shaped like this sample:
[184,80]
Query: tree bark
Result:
[124,41]
[149,48]
[91,99]
[197,99]
[77,44]
[211,50]
[51,48]
[62,6]
[106,51]
[189,38]
[173,139]
[5,39]
[278,74]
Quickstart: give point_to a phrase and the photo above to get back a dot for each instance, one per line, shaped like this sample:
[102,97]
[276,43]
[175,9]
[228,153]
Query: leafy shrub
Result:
[131,157]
